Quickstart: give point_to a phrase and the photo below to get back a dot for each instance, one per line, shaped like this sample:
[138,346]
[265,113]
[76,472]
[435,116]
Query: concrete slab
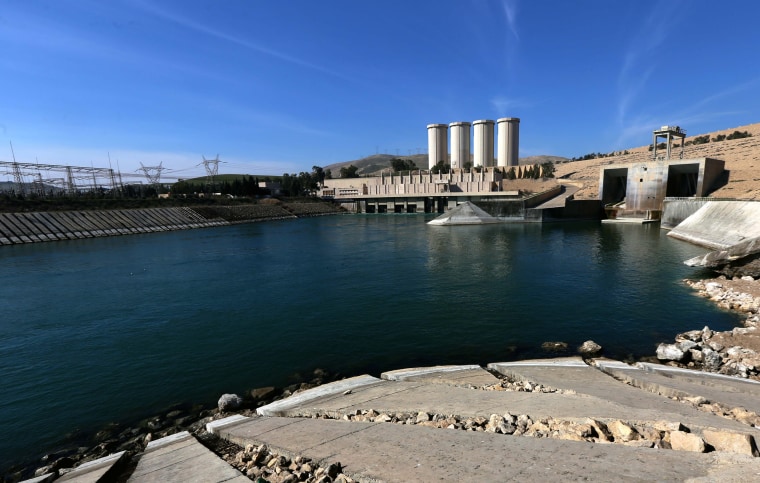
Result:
[93,471]
[472,375]
[182,458]
[214,426]
[676,382]
[304,398]
[634,221]
[619,402]
[41,479]
[392,452]
[572,374]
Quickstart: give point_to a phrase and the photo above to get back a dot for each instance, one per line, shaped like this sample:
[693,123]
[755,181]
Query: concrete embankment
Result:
[720,224]
[19,228]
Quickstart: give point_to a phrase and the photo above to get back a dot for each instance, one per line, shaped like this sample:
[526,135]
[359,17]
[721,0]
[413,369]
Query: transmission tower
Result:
[153,173]
[17,177]
[212,169]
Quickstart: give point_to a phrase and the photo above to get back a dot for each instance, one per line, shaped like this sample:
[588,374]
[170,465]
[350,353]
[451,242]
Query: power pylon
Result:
[153,173]
[212,170]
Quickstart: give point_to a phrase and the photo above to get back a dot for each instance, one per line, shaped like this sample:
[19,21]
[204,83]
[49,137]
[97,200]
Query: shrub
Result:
[738,135]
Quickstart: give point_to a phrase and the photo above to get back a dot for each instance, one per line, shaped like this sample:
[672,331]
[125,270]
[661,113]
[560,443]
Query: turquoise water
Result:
[115,329]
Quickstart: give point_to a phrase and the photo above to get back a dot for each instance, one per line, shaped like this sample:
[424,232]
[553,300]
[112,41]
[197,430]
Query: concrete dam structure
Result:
[640,189]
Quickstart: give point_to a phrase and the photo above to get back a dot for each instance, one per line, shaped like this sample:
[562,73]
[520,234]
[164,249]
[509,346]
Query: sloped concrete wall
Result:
[677,210]
[720,224]
[16,228]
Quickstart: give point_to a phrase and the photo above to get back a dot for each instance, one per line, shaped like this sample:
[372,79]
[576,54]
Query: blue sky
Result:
[280,86]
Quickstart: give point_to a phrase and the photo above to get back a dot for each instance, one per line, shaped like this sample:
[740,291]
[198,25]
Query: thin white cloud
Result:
[707,109]
[502,105]
[638,60]
[510,14]
[199,27]
[267,119]
[736,89]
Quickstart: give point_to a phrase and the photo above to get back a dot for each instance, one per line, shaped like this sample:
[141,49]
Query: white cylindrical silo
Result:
[483,135]
[460,144]
[509,141]
[438,144]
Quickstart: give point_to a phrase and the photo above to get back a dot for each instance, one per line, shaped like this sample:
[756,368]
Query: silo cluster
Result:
[507,143]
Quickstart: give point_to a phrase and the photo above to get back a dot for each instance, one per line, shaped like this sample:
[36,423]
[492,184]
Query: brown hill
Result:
[742,158]
[375,164]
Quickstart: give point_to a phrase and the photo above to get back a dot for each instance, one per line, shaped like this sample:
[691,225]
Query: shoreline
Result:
[738,349]
[735,352]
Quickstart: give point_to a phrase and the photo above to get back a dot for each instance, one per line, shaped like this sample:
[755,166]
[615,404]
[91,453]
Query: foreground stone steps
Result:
[181,457]
[443,423]
[347,397]
[103,469]
[676,382]
[451,375]
[392,452]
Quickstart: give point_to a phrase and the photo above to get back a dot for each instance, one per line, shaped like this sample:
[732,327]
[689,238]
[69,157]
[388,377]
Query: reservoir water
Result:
[114,329]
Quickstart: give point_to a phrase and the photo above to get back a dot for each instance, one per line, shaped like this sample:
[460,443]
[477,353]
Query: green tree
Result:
[182,188]
[349,172]
[547,169]
[318,174]
[400,164]
[441,167]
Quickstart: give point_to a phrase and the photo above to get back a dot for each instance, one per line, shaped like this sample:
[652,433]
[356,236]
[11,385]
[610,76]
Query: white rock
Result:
[713,286]
[748,278]
[730,442]
[682,441]
[229,402]
[696,355]
[589,347]
[669,352]
[686,345]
